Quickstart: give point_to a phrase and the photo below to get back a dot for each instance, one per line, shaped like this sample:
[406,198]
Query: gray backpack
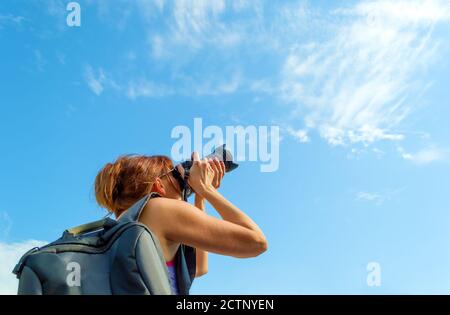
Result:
[105,257]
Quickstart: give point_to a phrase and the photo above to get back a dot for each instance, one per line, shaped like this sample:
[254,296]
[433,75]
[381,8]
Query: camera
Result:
[221,153]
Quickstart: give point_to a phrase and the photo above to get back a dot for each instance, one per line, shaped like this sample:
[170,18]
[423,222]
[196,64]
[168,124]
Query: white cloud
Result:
[370,196]
[95,81]
[193,19]
[157,47]
[356,85]
[405,12]
[354,81]
[149,8]
[424,156]
[145,88]
[352,75]
[159,4]
[262,86]
[40,60]
[218,87]
[56,8]
[301,135]
[378,198]
[10,19]
[191,24]
[9,256]
[5,224]
[239,5]
[228,87]
[61,58]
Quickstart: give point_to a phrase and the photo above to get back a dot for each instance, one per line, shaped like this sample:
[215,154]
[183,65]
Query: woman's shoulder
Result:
[161,202]
[165,213]
[158,201]
[157,211]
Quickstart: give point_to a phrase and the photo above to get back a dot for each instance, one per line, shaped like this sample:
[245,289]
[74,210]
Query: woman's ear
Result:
[158,187]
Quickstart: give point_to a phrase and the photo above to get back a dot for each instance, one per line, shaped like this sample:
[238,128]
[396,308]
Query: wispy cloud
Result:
[158,49]
[355,82]
[352,75]
[137,88]
[194,25]
[424,156]
[378,198]
[8,19]
[197,22]
[370,196]
[9,256]
[5,224]
[70,110]
[61,58]
[39,60]
[356,86]
[56,8]
[218,87]
[301,135]
[95,79]
[98,81]
[146,88]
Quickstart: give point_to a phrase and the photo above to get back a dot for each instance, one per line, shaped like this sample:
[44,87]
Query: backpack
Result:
[105,257]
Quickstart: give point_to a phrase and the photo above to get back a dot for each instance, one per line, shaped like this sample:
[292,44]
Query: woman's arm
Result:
[204,182]
[178,221]
[181,222]
[201,255]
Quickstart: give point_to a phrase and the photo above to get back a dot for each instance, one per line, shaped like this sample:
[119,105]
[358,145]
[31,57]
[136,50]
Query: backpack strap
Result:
[186,265]
[19,266]
[186,255]
[103,224]
[134,212]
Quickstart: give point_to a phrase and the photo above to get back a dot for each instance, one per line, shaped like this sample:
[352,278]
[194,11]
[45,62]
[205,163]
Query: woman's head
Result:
[120,184]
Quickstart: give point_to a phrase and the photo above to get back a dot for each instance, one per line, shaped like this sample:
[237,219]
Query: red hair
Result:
[120,184]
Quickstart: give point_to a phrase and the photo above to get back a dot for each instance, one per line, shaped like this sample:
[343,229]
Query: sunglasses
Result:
[186,190]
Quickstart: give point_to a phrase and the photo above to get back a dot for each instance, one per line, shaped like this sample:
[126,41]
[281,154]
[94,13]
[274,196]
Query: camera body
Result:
[222,154]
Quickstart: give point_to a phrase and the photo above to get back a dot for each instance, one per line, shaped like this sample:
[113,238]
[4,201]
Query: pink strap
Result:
[170,263]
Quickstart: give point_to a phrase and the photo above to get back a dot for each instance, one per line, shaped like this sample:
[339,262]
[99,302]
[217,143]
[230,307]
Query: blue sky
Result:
[359,90]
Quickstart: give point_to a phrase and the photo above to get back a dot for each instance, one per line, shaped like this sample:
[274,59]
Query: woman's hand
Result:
[205,174]
[219,171]
[201,175]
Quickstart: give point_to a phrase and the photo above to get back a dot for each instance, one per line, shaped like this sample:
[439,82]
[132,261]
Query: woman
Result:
[173,221]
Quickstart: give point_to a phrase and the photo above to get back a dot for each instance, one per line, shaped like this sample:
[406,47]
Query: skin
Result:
[175,221]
